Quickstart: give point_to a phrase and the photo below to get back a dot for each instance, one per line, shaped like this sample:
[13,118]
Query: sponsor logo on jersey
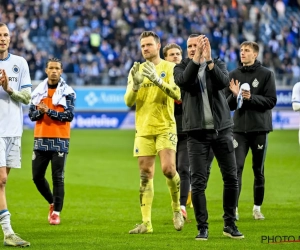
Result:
[13,79]
[147,85]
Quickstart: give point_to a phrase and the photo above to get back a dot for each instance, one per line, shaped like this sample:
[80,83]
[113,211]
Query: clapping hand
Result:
[149,71]
[43,108]
[198,57]
[206,49]
[136,76]
[4,82]
[234,87]
[200,44]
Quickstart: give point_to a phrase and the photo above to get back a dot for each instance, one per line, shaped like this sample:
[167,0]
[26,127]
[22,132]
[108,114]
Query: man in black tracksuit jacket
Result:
[173,53]
[208,124]
[253,120]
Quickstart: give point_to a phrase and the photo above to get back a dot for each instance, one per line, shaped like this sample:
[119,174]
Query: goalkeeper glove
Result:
[149,71]
[136,76]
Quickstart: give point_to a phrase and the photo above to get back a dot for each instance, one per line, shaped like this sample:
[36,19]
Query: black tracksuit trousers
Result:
[183,167]
[258,142]
[40,163]
[199,144]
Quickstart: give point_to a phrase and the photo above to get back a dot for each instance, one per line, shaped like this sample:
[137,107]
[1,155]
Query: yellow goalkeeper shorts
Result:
[152,144]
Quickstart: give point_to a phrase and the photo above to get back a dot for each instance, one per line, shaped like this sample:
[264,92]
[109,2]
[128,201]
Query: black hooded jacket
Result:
[255,115]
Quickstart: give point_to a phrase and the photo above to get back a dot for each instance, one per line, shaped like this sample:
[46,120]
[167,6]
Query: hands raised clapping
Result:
[43,108]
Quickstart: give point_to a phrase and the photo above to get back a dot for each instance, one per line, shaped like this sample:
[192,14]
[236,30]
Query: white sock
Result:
[236,210]
[256,208]
[5,223]
[183,207]
[55,212]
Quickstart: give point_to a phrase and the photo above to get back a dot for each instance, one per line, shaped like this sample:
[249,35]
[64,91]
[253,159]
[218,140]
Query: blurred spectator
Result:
[99,38]
[280,8]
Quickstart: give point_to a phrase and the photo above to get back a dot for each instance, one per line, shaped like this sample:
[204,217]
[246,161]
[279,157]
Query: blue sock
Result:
[3,211]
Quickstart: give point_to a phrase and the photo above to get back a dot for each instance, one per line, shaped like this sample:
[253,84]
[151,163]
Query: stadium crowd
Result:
[97,40]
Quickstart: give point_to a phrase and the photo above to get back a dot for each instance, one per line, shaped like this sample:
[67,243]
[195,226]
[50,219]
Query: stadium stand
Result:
[97,40]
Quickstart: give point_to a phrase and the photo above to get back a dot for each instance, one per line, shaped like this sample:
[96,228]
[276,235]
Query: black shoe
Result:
[203,234]
[232,232]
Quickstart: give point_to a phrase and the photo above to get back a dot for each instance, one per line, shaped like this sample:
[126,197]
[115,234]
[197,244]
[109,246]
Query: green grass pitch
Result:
[102,199]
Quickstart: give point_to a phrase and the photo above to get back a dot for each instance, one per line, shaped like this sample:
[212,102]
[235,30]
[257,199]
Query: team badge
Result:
[136,150]
[16,69]
[33,156]
[255,83]
[163,74]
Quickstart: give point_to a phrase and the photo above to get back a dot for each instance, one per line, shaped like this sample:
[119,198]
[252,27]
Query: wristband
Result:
[209,62]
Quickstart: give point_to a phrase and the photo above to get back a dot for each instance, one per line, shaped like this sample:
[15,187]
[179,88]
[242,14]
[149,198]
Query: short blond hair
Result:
[171,46]
[150,33]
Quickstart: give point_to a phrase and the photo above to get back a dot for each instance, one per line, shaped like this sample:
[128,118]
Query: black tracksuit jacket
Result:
[255,115]
[217,79]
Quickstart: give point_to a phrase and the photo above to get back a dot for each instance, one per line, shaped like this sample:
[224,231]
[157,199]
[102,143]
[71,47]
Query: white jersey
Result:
[11,114]
[296,98]
[296,93]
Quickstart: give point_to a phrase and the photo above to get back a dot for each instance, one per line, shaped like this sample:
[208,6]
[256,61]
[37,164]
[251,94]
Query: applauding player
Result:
[151,87]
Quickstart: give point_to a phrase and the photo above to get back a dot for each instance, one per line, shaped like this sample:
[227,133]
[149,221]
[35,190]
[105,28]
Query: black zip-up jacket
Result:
[217,79]
[255,115]
[178,116]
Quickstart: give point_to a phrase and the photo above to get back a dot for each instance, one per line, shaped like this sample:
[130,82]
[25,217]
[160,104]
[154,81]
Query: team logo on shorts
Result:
[255,83]
[163,74]
[16,69]
[235,143]
[136,150]
[33,156]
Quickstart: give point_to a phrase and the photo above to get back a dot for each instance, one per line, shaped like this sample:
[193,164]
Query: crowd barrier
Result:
[96,120]
[282,119]
[104,108]
[100,99]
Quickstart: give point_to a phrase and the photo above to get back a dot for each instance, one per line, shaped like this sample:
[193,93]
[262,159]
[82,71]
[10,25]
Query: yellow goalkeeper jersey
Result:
[154,105]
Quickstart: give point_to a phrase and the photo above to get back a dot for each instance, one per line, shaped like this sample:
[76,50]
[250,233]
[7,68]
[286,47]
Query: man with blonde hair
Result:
[152,88]
[15,89]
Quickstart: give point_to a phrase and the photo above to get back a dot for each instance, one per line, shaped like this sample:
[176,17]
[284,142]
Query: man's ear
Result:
[159,46]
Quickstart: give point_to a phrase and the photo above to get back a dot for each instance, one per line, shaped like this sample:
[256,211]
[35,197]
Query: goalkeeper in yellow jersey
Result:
[152,88]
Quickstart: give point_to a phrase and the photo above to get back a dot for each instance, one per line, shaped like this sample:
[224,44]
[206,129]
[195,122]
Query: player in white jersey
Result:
[15,89]
[296,99]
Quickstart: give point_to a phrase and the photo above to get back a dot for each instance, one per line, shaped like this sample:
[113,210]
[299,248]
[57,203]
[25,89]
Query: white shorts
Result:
[10,152]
